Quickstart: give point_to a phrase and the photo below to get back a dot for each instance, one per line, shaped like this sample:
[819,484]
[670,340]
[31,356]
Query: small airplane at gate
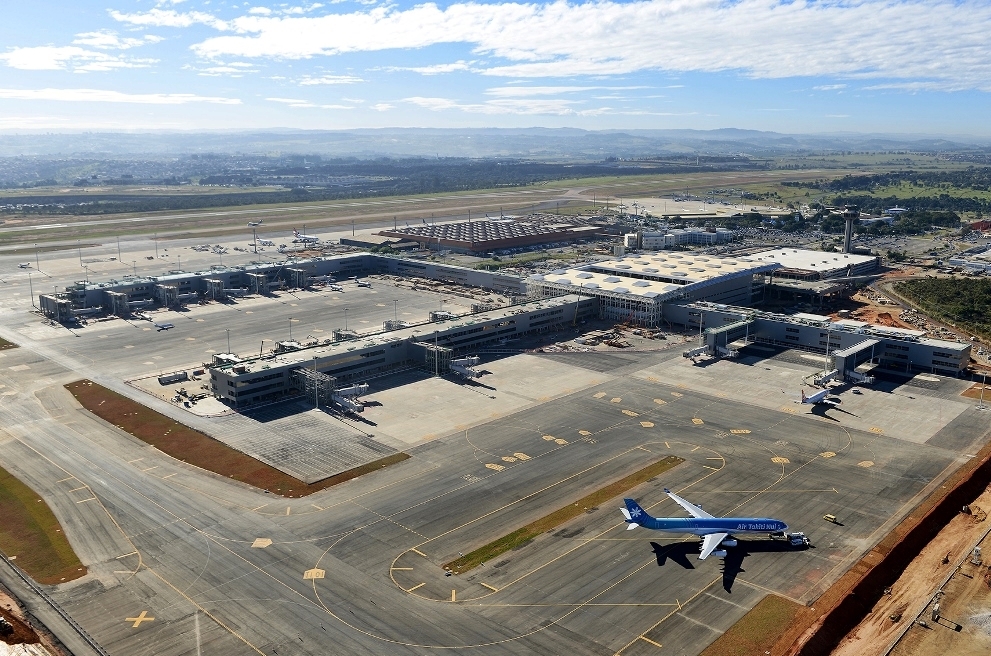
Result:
[164,326]
[715,531]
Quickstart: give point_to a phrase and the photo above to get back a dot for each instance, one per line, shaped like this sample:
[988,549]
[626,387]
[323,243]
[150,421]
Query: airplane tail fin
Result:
[803,396]
[634,514]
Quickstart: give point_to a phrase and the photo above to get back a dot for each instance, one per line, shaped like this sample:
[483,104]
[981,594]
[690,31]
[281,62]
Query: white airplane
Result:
[715,531]
[255,224]
[817,398]
[335,288]
[303,239]
[363,283]
[164,326]
[24,265]
[266,242]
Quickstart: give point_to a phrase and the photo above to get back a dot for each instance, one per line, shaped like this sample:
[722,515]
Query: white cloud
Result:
[295,102]
[102,95]
[593,38]
[382,107]
[60,58]
[109,40]
[170,18]
[260,11]
[515,92]
[519,106]
[330,79]
[436,69]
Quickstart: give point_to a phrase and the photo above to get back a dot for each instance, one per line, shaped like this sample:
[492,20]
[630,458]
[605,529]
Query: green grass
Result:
[757,631]
[30,531]
[962,302]
[521,536]
[4,344]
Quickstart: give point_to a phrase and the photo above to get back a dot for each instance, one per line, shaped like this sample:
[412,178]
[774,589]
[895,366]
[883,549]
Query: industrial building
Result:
[854,348]
[803,264]
[661,240]
[320,368]
[636,287]
[489,235]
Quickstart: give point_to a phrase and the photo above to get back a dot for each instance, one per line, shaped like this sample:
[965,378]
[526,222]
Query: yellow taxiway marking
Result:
[865,464]
[676,394]
[778,460]
[288,510]
[259,507]
[875,429]
[714,458]
[454,595]
[316,506]
[616,399]
[739,431]
[143,617]
[494,466]
[630,413]
[416,587]
[787,409]
[85,500]
[653,379]
[647,424]
[549,438]
[660,402]
[667,445]
[560,442]
[521,456]
[418,552]
[81,487]
[261,543]
[315,573]
[826,454]
[712,468]
[134,461]
[508,459]
[404,569]
[493,589]
[133,553]
[656,644]
[150,468]
[598,395]
[693,450]
[585,433]
[63,480]
[697,421]
[170,475]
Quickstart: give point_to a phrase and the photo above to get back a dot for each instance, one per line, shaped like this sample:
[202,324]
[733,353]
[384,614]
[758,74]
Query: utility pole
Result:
[229,338]
[254,238]
[79,249]
[31,288]
[156,245]
[290,329]
[118,248]
[395,304]
[37,262]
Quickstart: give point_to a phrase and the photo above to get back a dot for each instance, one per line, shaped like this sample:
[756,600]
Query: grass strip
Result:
[30,531]
[201,450]
[523,535]
[758,630]
[4,344]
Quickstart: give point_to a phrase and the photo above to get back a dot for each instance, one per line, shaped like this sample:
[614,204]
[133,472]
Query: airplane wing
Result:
[710,543]
[691,508]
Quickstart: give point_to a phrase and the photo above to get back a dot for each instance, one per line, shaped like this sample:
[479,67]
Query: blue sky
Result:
[919,67]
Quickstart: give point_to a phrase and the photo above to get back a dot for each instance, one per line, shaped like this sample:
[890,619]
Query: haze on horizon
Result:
[864,66]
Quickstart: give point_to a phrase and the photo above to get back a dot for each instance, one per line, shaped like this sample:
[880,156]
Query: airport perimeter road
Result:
[223,569]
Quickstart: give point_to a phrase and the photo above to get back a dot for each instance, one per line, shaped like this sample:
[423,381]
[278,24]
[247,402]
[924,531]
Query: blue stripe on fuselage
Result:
[716,525]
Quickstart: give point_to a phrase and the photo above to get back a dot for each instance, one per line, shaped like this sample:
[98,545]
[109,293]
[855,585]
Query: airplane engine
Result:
[728,543]
[721,553]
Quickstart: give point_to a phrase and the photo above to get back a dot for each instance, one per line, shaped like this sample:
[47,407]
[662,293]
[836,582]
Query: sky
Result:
[918,67]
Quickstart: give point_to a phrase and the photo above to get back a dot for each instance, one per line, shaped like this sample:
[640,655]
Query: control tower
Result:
[851,214]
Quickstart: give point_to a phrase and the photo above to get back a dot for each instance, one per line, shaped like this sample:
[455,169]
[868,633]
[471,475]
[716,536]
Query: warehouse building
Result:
[489,235]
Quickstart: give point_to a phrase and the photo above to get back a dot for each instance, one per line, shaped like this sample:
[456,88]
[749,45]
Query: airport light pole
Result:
[980,406]
[229,338]
[135,264]
[31,288]
[345,318]
[156,245]
[395,305]
[79,249]
[290,329]
[118,248]
[37,262]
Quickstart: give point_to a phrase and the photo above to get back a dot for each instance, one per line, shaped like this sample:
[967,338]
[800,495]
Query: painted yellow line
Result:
[135,460]
[133,553]
[418,552]
[170,475]
[288,510]
[454,595]
[150,468]
[696,449]
[406,569]
[712,468]
[316,506]
[85,500]
[713,458]
[656,644]
[416,587]
[490,587]
[63,480]
[667,445]
[81,487]
[259,507]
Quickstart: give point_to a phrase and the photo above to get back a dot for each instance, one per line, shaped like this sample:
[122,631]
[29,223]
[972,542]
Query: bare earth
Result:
[914,589]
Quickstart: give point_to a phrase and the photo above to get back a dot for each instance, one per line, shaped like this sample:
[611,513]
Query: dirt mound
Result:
[885,319]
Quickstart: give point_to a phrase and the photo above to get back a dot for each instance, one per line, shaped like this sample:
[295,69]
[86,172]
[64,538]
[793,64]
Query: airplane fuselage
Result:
[715,525]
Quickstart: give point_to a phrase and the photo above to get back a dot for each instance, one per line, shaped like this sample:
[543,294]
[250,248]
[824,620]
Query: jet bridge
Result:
[846,361]
[718,339]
